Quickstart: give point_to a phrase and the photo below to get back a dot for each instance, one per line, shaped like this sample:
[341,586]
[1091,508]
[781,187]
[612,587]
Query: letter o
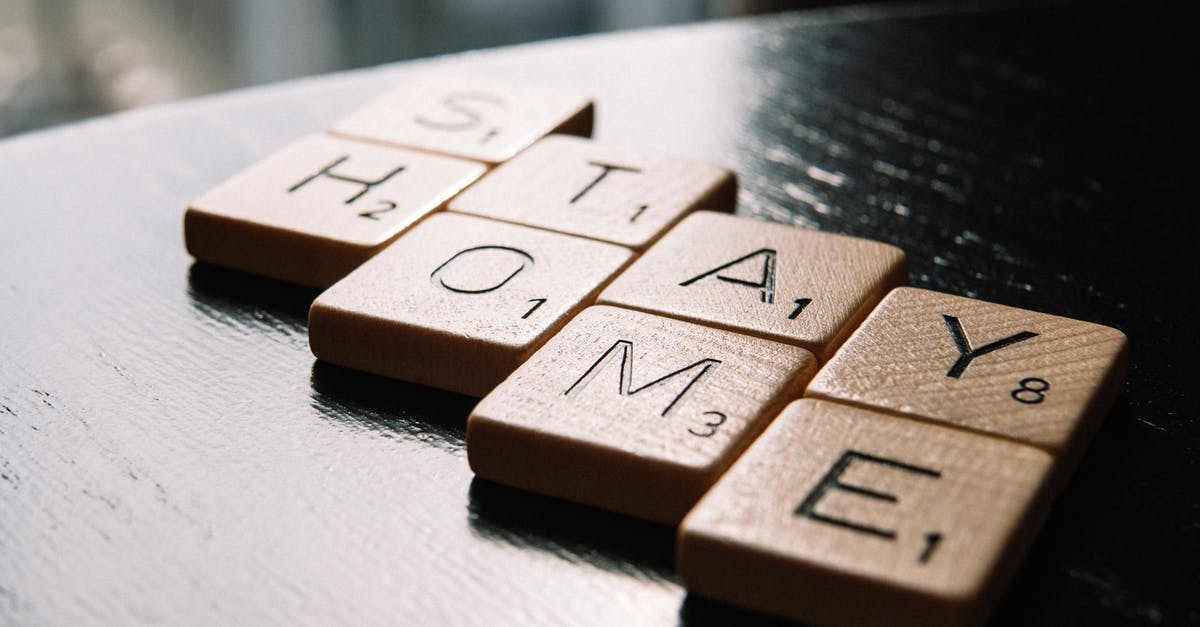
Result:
[438,277]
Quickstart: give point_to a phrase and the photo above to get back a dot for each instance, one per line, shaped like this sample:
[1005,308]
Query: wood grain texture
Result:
[581,187]
[1041,379]
[318,208]
[472,116]
[170,452]
[458,302]
[842,516]
[783,283]
[632,412]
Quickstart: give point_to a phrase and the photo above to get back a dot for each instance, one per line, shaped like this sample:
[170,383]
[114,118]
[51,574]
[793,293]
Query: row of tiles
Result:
[462,303]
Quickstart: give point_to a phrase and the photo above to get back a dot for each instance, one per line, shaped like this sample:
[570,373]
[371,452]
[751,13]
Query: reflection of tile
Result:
[776,281]
[315,210]
[471,117]
[838,515]
[458,302]
[632,412]
[574,185]
[1029,376]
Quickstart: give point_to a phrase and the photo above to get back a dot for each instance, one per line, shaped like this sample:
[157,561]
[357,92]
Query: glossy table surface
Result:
[171,453]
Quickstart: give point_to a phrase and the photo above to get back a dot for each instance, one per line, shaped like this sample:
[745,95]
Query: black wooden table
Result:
[170,452]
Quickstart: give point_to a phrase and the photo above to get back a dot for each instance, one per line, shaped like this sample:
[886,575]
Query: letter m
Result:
[621,352]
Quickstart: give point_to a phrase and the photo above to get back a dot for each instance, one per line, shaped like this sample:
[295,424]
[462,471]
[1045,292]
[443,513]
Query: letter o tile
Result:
[458,302]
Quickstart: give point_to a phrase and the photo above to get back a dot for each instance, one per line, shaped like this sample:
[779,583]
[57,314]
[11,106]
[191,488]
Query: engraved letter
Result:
[766,284]
[623,349]
[966,353]
[327,171]
[605,168]
[832,481]
[485,272]
[457,102]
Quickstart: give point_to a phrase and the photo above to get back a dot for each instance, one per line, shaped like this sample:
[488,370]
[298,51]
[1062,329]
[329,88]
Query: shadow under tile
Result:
[233,296]
[414,411]
[573,532]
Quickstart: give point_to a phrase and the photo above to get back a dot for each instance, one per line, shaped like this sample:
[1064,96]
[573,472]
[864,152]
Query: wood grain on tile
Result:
[632,412]
[474,117]
[1029,376]
[839,515]
[577,186]
[318,208]
[458,302]
[776,281]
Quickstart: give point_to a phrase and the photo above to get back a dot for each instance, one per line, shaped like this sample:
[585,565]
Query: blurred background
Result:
[63,60]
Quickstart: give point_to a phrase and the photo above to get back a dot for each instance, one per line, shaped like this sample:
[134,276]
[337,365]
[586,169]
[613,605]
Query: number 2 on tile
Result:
[373,214]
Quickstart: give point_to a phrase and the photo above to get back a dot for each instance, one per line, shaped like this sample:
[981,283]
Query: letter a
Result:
[765,284]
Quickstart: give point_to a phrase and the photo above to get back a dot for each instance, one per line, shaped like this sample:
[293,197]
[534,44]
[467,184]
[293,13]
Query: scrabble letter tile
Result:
[317,209]
[839,515]
[458,302]
[467,116]
[1029,376]
[776,281]
[632,412]
[574,185]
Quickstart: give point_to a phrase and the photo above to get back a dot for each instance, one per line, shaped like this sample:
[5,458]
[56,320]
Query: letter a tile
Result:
[842,516]
[632,412]
[577,186]
[776,281]
[315,210]
[458,302]
[1029,376]
[468,116]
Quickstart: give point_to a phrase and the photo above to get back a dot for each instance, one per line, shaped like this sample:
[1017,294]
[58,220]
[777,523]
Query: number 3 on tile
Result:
[710,426]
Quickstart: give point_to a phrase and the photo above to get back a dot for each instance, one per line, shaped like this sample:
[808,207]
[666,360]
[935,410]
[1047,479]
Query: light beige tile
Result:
[318,208]
[474,117]
[772,280]
[574,185]
[842,516]
[632,412]
[458,302]
[1029,376]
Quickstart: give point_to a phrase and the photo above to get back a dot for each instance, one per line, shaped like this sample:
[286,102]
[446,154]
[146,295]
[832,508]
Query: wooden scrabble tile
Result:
[317,209]
[632,412]
[574,185]
[458,302]
[473,117]
[838,515]
[1025,375]
[776,281]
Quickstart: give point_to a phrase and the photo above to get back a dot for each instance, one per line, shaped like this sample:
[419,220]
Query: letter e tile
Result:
[842,516]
